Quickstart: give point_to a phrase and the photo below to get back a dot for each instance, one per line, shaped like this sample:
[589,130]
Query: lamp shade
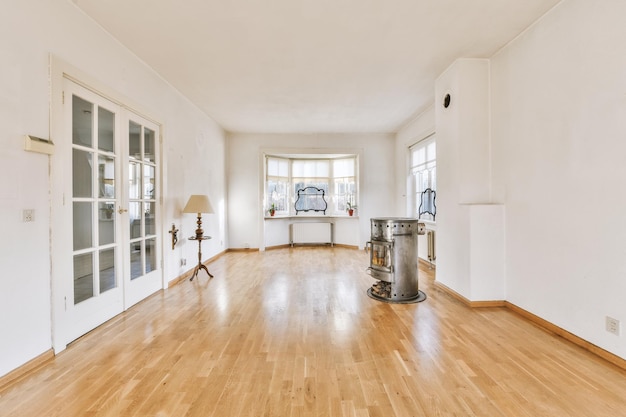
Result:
[198,203]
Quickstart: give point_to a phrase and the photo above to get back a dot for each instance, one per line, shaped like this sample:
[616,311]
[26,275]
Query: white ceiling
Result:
[311,66]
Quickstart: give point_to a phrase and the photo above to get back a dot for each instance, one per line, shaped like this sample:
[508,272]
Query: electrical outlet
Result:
[612,325]
[183,262]
[28,215]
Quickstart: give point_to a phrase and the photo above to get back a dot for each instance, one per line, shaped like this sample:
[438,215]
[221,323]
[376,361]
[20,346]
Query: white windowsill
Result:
[304,216]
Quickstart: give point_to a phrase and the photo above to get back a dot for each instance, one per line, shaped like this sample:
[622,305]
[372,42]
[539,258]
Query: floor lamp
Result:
[199,204]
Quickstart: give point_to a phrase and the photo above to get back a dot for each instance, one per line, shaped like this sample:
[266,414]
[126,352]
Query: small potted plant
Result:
[272,210]
[350,208]
[108,211]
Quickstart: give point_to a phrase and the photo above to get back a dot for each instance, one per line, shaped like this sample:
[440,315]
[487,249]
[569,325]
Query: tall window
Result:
[277,184]
[344,183]
[336,176]
[424,170]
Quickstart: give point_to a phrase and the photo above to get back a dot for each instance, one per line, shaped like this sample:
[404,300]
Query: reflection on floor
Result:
[292,332]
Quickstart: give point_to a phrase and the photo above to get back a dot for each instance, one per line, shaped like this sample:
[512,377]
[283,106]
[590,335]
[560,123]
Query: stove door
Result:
[381,259]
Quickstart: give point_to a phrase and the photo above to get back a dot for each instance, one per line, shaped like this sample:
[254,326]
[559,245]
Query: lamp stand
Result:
[199,237]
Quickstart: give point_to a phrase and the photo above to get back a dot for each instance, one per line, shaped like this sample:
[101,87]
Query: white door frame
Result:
[60,174]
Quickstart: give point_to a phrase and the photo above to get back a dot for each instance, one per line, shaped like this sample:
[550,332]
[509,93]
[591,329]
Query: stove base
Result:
[416,299]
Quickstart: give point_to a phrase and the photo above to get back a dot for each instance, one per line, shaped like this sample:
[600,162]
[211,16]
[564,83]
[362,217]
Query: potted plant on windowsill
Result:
[272,210]
[350,209]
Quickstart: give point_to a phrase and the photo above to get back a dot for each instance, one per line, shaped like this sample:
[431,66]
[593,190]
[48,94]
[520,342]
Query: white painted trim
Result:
[60,70]
[63,69]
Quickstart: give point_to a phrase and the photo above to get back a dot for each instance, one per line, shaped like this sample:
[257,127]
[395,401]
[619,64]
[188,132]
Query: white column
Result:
[470,243]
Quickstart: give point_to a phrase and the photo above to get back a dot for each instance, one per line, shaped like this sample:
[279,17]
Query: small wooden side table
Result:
[200,264]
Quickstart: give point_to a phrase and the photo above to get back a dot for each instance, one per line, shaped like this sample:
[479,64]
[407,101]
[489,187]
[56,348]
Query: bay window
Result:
[335,176]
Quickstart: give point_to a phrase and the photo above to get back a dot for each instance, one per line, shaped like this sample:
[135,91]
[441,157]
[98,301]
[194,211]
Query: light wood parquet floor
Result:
[292,332]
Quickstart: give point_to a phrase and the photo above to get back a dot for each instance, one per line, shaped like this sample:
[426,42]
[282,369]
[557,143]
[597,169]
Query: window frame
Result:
[335,199]
[280,209]
[429,164]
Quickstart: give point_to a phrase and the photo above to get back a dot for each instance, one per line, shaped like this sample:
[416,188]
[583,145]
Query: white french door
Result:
[111,191]
[142,270]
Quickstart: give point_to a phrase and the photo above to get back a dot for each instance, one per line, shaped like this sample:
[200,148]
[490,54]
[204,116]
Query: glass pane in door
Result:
[134,211]
[142,199]
[83,277]
[134,140]
[94,166]
[82,122]
[106,223]
[149,211]
[81,172]
[106,130]
[151,255]
[106,176]
[149,146]
[108,279]
[82,227]
[148,182]
[136,259]
[134,180]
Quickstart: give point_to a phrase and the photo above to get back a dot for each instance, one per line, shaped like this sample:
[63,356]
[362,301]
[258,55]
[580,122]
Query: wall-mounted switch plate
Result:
[612,325]
[28,215]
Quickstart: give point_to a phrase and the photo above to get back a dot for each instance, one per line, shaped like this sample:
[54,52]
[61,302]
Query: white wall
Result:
[556,157]
[559,143]
[276,230]
[470,233]
[194,158]
[376,187]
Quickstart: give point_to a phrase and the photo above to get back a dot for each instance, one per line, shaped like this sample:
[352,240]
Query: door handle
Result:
[122,210]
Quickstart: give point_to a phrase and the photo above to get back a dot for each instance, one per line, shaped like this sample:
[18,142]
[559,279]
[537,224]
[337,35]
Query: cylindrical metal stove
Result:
[393,259]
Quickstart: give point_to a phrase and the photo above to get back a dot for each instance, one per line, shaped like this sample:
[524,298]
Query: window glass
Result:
[335,176]
[277,167]
[277,186]
[343,168]
[424,170]
[311,168]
